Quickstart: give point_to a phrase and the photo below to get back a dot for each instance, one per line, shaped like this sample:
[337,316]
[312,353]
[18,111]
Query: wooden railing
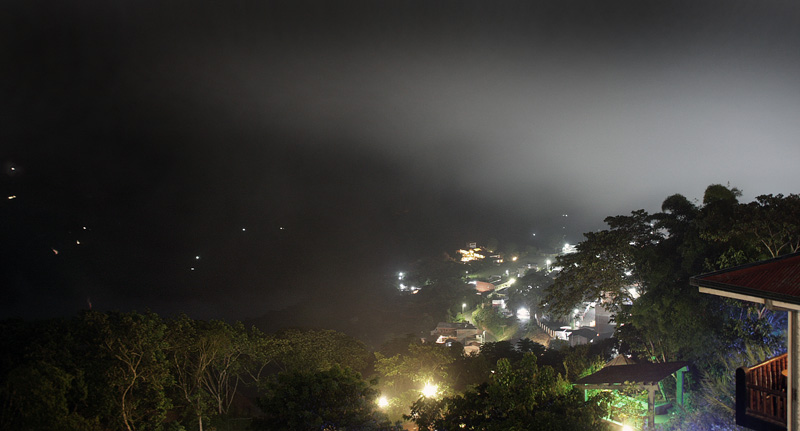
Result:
[761,394]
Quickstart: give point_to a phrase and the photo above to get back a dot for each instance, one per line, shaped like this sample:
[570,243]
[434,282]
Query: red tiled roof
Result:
[777,279]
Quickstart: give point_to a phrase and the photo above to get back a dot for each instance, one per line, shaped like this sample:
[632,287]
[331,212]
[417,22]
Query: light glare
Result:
[430,390]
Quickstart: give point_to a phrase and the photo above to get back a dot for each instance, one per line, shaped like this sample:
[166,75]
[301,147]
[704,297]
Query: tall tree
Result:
[608,264]
[772,222]
[135,366]
[190,356]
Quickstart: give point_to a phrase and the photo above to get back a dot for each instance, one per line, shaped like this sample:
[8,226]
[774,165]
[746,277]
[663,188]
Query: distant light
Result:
[78,242]
[244,230]
[54,251]
[383,402]
[534,234]
[281,227]
[197,258]
[12,197]
[13,168]
[192,268]
[84,228]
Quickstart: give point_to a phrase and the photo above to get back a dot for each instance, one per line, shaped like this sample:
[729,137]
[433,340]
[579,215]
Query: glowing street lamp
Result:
[430,390]
[383,402]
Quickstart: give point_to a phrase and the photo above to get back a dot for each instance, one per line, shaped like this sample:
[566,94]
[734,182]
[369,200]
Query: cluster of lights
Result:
[470,255]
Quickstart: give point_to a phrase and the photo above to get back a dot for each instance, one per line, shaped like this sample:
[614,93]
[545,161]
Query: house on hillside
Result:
[464,333]
[589,322]
[483,287]
[766,393]
[582,336]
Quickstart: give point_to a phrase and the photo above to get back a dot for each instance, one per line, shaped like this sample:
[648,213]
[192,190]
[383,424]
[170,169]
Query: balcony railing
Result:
[761,395]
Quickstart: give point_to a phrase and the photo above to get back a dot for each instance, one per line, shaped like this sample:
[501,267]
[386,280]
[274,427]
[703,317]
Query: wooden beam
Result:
[775,305]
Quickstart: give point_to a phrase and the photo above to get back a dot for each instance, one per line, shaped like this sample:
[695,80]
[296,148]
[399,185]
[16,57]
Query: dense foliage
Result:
[640,268]
[137,371]
[333,399]
[523,396]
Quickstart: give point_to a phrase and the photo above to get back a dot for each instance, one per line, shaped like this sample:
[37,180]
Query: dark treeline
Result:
[138,371]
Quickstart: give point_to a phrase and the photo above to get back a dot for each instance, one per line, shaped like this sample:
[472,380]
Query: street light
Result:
[383,401]
[430,390]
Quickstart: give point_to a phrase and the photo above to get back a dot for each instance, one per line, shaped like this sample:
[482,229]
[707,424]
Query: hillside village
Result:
[590,321]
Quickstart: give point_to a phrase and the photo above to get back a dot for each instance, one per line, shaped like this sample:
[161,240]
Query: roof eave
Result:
[771,299]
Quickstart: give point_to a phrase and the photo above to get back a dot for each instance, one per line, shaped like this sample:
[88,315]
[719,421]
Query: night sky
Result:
[228,159]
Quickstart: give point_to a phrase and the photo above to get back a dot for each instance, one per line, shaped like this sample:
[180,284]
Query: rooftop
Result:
[774,279]
[455,325]
[645,373]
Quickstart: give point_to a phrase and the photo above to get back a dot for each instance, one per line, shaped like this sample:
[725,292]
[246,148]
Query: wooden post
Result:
[651,407]
[741,396]
[793,368]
